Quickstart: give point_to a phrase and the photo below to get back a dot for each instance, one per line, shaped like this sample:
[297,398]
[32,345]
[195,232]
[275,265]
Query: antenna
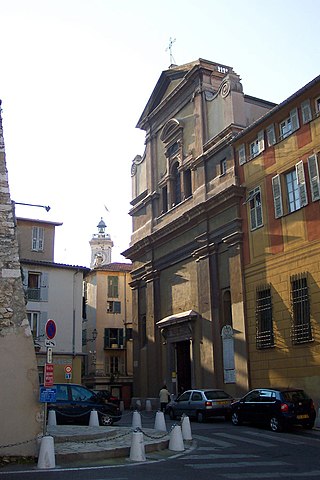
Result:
[171,42]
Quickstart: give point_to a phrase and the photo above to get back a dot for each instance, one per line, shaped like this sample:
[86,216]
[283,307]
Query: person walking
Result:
[164,396]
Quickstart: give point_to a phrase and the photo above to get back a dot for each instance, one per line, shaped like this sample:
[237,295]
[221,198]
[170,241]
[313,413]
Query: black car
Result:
[74,403]
[201,404]
[107,396]
[278,408]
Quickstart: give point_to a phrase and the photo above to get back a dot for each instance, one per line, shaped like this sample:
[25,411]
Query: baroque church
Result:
[186,245]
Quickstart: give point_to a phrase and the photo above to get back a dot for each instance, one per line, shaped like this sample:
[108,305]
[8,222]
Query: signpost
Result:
[68,372]
[47,393]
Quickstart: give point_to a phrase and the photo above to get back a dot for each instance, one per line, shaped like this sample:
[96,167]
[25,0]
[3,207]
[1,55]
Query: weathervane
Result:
[171,42]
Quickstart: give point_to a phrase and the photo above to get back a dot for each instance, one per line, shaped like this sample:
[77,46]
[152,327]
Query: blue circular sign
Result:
[51,329]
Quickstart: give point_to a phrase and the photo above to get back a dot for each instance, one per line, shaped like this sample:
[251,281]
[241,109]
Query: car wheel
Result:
[172,415]
[200,417]
[275,424]
[106,420]
[235,419]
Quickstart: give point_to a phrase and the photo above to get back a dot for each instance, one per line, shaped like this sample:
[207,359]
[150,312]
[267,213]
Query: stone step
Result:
[76,443]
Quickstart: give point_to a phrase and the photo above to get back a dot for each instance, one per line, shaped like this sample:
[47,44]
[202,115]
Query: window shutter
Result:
[120,337]
[44,287]
[314,177]
[271,135]
[253,219]
[306,111]
[25,278]
[242,154]
[34,238]
[277,196]
[261,141]
[116,307]
[107,338]
[40,238]
[259,215]
[294,119]
[301,183]
[42,326]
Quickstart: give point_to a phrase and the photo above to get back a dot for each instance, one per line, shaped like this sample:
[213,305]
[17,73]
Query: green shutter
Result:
[314,177]
[277,196]
[107,338]
[301,183]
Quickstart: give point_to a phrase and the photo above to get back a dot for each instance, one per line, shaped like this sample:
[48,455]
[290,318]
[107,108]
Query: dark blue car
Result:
[74,403]
[278,408]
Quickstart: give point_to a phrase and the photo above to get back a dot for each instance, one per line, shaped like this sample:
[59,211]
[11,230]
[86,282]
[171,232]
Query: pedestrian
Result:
[164,396]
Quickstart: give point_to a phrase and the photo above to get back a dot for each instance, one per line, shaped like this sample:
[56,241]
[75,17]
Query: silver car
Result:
[201,404]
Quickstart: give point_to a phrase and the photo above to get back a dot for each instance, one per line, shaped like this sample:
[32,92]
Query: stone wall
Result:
[20,412]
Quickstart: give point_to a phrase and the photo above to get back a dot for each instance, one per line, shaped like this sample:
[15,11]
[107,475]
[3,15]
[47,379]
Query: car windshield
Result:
[214,394]
[293,396]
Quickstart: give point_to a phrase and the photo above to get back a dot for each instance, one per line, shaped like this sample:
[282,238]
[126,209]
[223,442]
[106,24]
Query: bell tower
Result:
[101,246]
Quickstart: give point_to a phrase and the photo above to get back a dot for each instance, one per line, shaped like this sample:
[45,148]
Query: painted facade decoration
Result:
[278,163]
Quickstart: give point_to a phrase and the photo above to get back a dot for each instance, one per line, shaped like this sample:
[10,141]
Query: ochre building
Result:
[278,163]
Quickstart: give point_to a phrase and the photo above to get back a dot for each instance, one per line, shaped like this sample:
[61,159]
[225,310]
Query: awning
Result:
[177,318]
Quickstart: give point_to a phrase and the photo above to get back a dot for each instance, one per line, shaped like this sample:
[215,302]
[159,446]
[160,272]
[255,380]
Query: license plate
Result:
[301,417]
[225,402]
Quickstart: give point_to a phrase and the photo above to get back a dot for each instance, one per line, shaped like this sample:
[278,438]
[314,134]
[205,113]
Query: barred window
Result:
[301,330]
[264,325]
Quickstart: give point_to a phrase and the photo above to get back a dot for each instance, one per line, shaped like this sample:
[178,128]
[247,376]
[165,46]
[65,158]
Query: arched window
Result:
[176,185]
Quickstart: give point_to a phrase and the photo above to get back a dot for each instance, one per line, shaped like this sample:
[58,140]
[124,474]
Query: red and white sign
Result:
[51,329]
[48,375]
[68,369]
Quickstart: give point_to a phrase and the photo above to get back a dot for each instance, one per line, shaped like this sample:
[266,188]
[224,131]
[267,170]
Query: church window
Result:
[176,185]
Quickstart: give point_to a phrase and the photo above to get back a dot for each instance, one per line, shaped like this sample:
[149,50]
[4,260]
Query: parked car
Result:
[74,403]
[107,396]
[279,408]
[201,404]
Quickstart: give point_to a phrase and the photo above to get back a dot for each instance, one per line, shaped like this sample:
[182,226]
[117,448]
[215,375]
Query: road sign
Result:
[48,395]
[49,355]
[51,329]
[50,343]
[68,368]
[48,375]
[68,376]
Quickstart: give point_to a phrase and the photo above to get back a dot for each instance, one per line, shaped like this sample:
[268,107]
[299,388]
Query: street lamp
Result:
[94,336]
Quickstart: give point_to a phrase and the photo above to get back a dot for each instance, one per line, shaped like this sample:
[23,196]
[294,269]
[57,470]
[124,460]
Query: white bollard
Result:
[186,428]
[138,404]
[160,423]
[137,452]
[148,406]
[121,406]
[176,440]
[52,418]
[94,419]
[136,419]
[46,458]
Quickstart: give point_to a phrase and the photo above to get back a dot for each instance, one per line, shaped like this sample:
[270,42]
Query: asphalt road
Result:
[219,451]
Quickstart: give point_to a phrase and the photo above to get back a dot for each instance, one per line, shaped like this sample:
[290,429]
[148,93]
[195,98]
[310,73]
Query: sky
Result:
[75,76]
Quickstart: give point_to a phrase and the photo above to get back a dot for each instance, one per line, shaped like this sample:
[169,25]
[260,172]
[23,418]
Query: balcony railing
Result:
[33,294]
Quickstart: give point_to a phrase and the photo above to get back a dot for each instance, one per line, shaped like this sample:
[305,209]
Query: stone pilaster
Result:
[234,243]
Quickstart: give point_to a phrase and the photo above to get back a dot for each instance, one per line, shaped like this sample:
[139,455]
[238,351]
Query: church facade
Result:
[186,246]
